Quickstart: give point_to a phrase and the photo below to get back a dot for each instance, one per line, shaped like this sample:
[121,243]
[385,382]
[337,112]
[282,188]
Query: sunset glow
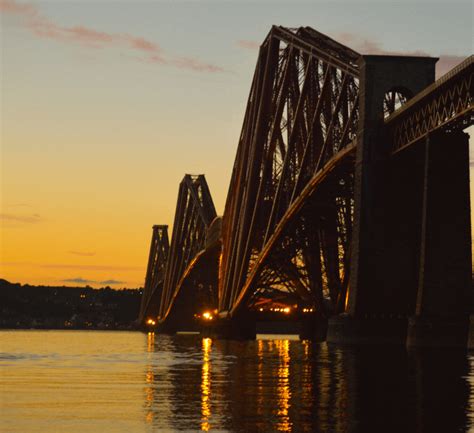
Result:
[102,117]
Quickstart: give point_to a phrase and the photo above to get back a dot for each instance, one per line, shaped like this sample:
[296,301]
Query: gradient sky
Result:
[106,105]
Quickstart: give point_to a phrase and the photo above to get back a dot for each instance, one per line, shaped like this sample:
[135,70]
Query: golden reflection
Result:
[306,372]
[283,387]
[324,387]
[206,385]
[149,378]
[260,381]
[150,341]
[149,397]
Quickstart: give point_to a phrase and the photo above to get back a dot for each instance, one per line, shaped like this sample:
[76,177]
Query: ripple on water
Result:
[70,381]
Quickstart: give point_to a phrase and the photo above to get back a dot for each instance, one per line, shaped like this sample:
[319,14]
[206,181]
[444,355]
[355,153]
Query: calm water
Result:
[86,381]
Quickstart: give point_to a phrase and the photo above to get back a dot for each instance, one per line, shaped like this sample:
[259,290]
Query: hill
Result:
[49,307]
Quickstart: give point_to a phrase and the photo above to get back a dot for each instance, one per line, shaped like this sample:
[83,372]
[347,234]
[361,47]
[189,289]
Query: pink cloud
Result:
[365,46]
[250,45]
[11,6]
[195,65]
[15,218]
[447,62]
[42,27]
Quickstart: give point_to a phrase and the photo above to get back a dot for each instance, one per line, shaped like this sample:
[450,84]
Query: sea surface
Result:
[91,381]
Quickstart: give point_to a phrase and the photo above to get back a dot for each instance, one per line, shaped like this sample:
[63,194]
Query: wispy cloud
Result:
[17,218]
[366,46]
[43,27]
[80,280]
[73,266]
[19,205]
[250,45]
[91,267]
[111,282]
[82,253]
[447,62]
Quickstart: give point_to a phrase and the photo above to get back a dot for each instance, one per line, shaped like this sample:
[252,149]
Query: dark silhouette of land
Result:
[45,307]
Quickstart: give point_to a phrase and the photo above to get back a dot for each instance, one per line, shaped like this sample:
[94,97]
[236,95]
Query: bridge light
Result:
[151,322]
[207,315]
[286,310]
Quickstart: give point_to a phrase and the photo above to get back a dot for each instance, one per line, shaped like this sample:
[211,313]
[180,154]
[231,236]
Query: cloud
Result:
[42,27]
[20,205]
[195,65]
[250,45]
[72,266]
[111,282]
[82,253]
[26,219]
[447,62]
[366,46]
[91,267]
[80,280]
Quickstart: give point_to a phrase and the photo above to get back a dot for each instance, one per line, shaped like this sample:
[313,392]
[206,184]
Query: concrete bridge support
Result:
[444,295]
[240,327]
[399,267]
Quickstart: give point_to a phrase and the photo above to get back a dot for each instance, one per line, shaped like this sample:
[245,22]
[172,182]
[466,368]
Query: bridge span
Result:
[348,209]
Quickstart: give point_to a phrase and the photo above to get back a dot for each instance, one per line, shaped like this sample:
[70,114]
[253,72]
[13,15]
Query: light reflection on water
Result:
[86,381]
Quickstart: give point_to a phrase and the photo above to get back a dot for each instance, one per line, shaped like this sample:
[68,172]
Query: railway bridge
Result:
[348,209]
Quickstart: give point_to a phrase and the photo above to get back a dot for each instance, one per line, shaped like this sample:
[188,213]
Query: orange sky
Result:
[105,106]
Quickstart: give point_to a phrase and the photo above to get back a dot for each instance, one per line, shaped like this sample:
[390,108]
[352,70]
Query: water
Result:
[89,381]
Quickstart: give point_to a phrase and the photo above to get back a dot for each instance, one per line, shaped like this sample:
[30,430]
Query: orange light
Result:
[207,315]
[151,322]
[286,310]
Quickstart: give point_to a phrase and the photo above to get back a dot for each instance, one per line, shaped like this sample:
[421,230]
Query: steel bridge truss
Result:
[302,111]
[288,219]
[195,212]
[447,103]
[155,275]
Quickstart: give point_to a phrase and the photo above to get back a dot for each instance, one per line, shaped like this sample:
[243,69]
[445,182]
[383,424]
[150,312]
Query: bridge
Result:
[348,208]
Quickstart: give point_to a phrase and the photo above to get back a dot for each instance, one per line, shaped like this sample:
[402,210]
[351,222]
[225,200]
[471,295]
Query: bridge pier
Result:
[314,328]
[400,268]
[241,327]
[444,297]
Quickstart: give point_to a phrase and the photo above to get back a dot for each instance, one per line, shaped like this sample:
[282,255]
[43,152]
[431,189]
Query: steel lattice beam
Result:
[302,112]
[288,219]
[448,103]
[195,212]
[157,261]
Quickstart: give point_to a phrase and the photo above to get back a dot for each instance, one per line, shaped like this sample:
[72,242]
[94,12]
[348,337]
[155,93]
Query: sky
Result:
[105,105]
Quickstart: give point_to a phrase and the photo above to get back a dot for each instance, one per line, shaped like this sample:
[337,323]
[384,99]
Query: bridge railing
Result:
[447,103]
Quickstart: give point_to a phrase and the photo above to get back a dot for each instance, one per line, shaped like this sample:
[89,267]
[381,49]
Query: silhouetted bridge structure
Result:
[348,206]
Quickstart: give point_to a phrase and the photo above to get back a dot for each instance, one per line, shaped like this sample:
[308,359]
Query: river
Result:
[92,381]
